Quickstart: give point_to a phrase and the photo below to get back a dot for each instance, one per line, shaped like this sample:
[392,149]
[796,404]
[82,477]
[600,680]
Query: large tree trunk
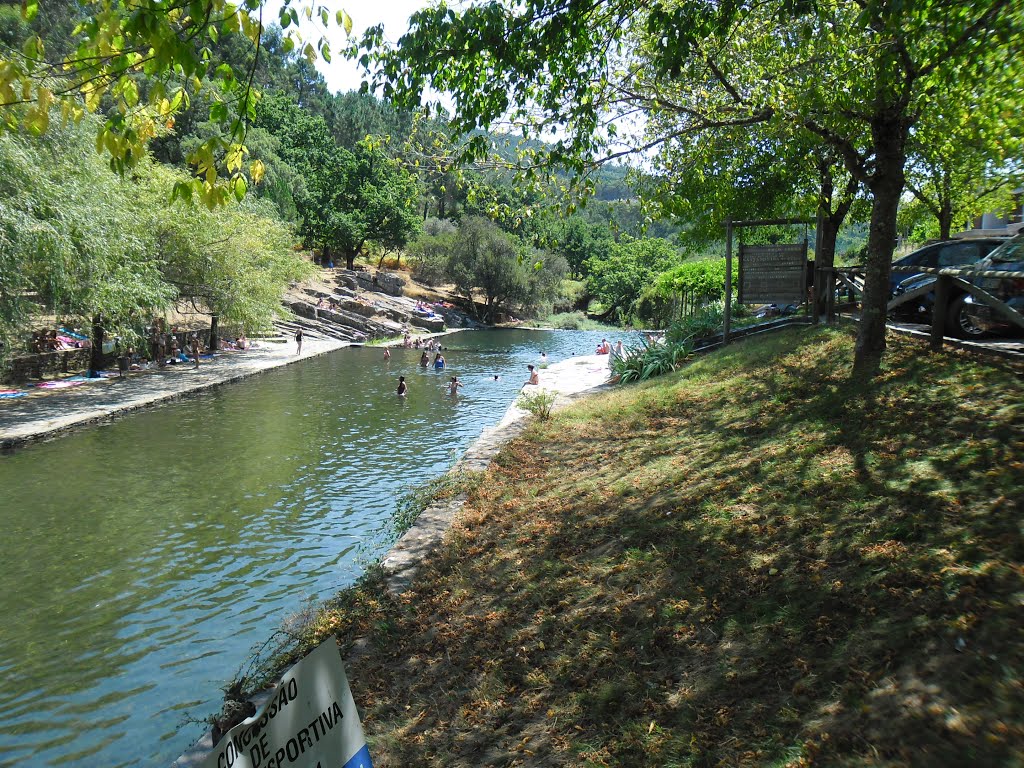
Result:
[886,185]
[945,220]
[214,341]
[831,215]
[824,258]
[96,353]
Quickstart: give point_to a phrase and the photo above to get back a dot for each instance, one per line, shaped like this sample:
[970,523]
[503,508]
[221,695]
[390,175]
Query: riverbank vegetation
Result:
[748,562]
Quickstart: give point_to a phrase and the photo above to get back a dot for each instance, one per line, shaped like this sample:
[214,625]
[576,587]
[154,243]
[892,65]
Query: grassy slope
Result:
[742,564]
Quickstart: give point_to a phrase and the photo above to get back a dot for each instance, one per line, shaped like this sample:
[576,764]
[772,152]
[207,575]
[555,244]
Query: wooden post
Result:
[943,288]
[728,282]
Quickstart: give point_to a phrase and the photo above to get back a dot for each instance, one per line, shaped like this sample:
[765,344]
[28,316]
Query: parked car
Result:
[949,253]
[1009,257]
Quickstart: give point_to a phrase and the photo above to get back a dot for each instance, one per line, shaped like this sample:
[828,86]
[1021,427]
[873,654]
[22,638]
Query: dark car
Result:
[1009,257]
[949,253]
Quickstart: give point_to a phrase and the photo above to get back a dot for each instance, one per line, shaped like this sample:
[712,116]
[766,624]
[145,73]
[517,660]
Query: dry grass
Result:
[746,563]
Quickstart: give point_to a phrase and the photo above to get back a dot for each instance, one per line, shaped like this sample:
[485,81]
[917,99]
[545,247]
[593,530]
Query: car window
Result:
[922,258]
[1012,250]
[957,254]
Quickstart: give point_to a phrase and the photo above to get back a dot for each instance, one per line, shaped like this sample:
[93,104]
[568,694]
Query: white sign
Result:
[310,722]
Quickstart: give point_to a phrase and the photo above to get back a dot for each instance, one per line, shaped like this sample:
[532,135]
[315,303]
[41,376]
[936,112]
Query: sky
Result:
[341,74]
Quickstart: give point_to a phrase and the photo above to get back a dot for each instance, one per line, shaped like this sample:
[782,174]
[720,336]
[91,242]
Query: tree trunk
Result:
[350,260]
[825,258]
[214,341]
[889,136]
[96,353]
[945,220]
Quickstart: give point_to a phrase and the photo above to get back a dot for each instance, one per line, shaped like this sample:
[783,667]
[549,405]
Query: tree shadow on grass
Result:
[795,573]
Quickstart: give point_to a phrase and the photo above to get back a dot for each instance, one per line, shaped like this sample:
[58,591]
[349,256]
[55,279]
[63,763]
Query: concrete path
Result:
[47,413]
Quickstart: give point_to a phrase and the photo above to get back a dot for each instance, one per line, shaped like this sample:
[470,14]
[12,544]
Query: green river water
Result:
[144,559]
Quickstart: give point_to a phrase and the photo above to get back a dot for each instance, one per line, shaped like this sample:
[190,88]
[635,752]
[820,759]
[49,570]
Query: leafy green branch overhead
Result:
[610,78]
[137,62]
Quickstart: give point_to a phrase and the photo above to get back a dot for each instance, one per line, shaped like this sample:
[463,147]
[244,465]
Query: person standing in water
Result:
[387,353]
[453,386]
[424,359]
[403,388]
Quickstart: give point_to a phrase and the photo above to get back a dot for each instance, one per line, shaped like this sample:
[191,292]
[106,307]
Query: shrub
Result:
[649,360]
[575,321]
[538,403]
[706,322]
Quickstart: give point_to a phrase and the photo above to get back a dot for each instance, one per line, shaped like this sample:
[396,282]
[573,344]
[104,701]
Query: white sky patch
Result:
[343,74]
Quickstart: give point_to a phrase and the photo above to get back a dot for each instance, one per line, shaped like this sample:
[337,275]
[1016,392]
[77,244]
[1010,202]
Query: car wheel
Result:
[959,323]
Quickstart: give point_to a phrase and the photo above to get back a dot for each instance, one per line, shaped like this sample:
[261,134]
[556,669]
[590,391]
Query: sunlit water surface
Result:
[144,559]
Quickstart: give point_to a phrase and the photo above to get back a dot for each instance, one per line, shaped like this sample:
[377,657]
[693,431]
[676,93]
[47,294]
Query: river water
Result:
[144,559]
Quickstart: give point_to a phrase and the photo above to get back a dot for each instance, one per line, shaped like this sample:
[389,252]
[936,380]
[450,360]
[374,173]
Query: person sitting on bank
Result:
[534,376]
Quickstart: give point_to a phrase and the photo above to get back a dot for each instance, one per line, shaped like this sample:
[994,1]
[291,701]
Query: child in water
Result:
[453,386]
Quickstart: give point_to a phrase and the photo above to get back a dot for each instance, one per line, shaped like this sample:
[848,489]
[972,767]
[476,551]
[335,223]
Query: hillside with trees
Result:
[724,112]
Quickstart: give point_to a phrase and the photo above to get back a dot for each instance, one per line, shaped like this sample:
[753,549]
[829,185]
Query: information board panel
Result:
[773,274]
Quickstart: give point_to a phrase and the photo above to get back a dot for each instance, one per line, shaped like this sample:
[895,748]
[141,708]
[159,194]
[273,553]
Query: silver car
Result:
[1009,257]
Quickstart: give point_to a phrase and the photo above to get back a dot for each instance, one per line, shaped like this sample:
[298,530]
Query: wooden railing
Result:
[852,278]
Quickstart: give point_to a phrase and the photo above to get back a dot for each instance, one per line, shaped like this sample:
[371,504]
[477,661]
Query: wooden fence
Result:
[852,279]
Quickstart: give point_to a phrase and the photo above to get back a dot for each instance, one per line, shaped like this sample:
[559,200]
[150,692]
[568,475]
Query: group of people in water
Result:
[439,364]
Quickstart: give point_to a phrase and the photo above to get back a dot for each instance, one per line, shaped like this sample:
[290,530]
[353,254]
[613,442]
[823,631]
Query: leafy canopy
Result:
[139,62]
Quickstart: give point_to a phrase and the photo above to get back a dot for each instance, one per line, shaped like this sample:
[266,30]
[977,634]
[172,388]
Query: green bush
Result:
[538,403]
[575,321]
[707,322]
[649,360]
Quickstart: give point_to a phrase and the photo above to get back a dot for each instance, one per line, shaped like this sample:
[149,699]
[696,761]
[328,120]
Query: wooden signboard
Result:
[773,274]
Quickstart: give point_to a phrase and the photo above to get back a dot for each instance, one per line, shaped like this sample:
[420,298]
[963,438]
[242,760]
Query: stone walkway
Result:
[47,413]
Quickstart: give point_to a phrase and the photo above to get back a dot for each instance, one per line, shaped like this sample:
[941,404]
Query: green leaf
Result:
[345,21]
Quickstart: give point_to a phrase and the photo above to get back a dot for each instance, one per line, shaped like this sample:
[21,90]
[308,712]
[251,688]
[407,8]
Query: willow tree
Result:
[858,74]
